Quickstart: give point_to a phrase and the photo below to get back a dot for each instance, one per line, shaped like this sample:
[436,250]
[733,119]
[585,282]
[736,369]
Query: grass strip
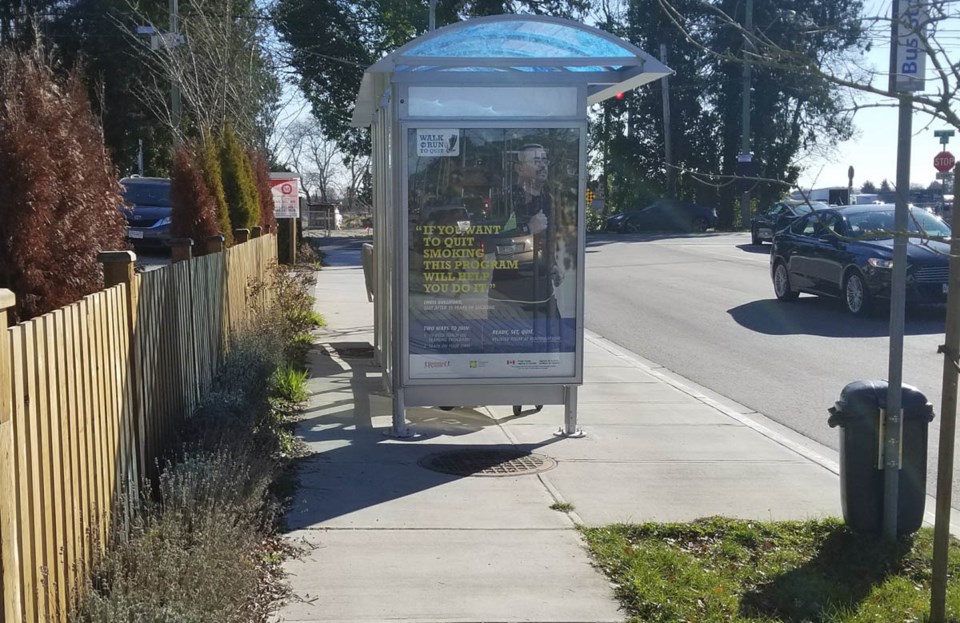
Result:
[732,571]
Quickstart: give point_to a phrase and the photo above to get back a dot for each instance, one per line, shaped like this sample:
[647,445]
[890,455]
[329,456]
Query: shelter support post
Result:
[400,430]
[570,412]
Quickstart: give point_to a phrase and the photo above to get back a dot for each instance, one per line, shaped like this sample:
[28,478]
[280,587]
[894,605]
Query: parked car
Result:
[665,215]
[446,215]
[147,210]
[766,222]
[516,245]
[847,253]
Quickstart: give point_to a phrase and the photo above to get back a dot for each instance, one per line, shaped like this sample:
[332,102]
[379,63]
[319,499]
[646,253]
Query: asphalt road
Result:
[703,306]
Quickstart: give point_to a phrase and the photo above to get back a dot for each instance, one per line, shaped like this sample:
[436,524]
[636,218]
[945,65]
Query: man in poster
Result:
[527,292]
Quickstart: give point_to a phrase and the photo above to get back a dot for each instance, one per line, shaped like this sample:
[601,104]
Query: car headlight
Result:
[164,221]
[876,262]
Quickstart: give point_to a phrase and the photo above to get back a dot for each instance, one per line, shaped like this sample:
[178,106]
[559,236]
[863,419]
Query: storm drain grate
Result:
[487,462]
[353,351]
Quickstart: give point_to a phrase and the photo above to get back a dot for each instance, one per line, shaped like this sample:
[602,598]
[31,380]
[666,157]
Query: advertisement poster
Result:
[493,252]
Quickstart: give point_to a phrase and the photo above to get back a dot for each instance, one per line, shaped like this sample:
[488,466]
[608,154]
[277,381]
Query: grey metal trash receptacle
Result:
[858,414]
[366,259]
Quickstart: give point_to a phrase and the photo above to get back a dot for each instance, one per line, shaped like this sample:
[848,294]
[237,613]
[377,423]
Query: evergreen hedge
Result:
[238,181]
[194,213]
[60,198]
[261,172]
[213,175]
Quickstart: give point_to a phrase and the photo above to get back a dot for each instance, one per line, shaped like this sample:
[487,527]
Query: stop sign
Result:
[943,161]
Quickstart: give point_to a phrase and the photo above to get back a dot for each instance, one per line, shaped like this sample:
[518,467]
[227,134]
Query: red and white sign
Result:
[286,194]
[943,161]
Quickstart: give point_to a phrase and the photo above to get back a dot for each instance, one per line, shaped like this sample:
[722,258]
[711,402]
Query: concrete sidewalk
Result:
[389,540]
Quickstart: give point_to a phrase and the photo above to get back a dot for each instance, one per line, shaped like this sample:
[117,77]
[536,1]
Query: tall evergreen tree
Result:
[98,37]
[238,182]
[59,192]
[791,111]
[261,178]
[213,176]
[194,211]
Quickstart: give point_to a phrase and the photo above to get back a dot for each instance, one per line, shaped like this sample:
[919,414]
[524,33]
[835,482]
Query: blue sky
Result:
[873,152]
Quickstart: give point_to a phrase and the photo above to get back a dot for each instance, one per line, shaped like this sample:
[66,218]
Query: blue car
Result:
[147,210]
[665,215]
[847,253]
[765,222]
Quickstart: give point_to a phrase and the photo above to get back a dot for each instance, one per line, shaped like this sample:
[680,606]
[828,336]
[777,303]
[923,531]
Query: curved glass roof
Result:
[520,42]
[525,37]
[538,68]
[512,48]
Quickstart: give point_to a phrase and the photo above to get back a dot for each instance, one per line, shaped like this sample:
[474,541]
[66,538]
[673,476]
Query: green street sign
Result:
[943,132]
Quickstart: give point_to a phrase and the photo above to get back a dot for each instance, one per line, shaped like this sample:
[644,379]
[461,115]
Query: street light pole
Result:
[667,143]
[175,107]
[745,112]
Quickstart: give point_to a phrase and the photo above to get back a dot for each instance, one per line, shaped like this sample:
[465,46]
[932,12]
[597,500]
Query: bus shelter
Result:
[479,152]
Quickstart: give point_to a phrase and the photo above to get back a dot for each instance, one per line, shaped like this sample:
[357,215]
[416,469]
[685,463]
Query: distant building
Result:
[834,195]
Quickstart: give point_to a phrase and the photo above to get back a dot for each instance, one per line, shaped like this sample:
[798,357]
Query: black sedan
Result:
[665,215]
[767,222]
[847,253]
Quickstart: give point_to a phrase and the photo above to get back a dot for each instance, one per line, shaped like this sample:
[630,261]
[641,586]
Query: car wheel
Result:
[856,296]
[699,225]
[631,228]
[781,283]
[755,237]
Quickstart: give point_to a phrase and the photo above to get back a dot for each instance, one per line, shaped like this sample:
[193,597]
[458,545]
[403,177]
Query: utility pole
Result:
[140,156]
[433,14]
[604,187]
[745,118]
[175,109]
[948,427]
[667,144]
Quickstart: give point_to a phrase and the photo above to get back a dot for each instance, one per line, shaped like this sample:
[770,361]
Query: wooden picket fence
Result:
[91,395]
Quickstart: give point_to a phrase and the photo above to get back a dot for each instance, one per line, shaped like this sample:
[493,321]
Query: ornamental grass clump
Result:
[192,551]
[201,546]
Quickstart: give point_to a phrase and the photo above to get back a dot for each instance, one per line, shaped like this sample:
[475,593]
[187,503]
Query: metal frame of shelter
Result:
[506,71]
